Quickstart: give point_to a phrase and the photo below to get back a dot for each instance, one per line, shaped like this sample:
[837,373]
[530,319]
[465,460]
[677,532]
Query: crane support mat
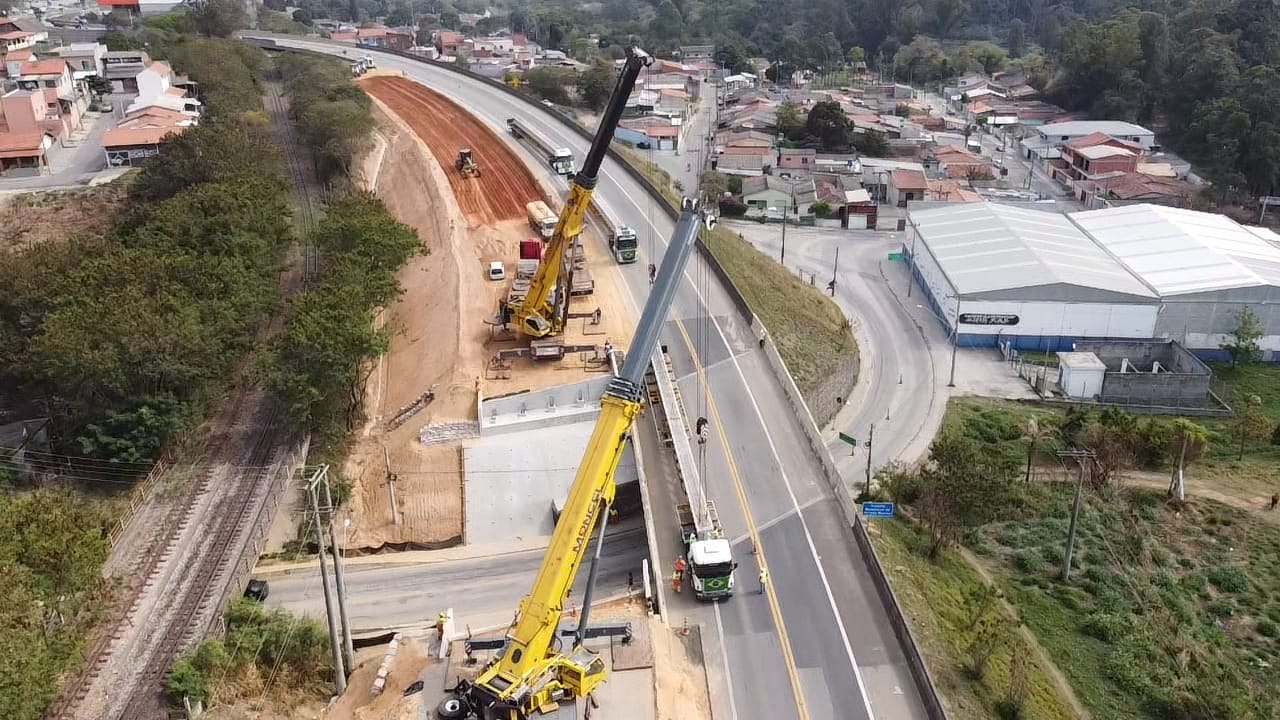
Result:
[635,655]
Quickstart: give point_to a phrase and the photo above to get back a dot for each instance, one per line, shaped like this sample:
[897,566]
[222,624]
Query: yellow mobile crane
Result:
[532,674]
[545,308]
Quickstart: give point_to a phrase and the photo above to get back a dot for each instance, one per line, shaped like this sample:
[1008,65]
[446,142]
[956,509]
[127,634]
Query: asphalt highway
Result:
[482,590]
[818,643]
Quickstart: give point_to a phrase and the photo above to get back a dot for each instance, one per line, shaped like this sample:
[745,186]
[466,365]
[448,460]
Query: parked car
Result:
[497,271]
[257,590]
[104,106]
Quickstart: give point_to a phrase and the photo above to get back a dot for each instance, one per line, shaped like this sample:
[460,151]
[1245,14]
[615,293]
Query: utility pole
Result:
[835,266]
[871,434]
[1081,456]
[339,673]
[347,648]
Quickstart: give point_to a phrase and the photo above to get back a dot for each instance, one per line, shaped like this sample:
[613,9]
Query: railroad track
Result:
[278,107]
[205,583]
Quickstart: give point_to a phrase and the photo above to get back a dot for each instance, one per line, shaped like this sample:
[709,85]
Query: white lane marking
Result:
[724,660]
[844,635]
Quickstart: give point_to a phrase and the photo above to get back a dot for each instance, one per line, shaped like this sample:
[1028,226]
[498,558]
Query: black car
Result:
[257,590]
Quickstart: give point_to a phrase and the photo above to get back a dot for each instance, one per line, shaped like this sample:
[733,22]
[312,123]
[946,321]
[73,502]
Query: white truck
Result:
[541,219]
[559,158]
[622,241]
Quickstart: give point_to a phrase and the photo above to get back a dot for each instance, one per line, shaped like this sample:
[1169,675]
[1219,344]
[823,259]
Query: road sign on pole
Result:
[851,441]
[877,509]
[897,257]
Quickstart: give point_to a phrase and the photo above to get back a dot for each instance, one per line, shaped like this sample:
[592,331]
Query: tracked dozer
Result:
[466,164]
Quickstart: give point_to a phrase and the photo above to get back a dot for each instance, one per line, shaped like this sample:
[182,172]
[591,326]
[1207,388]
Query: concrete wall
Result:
[1186,383]
[1204,322]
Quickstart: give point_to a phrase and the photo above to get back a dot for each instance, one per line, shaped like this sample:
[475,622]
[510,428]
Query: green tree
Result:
[985,56]
[1187,442]
[548,84]
[829,125]
[870,144]
[790,119]
[856,55]
[218,18]
[304,16]
[821,209]
[945,16]
[134,436]
[596,85]
[1034,434]
[1017,38]
[450,20]
[962,487]
[1243,343]
[1249,422]
[668,25]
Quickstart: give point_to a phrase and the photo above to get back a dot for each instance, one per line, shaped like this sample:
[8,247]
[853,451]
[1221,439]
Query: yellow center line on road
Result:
[774,608]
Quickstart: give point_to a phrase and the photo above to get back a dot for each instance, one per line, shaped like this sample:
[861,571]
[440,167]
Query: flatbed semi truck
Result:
[559,158]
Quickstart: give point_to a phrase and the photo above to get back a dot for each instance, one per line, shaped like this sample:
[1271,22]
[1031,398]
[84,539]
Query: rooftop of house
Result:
[1088,127]
[126,136]
[1098,152]
[952,191]
[1135,185]
[55,66]
[15,35]
[18,55]
[20,144]
[909,180]
[752,186]
[809,152]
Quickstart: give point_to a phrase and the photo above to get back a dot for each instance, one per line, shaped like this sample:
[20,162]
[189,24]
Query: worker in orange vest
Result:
[678,575]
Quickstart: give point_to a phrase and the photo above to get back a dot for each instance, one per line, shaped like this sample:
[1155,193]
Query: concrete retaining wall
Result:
[559,405]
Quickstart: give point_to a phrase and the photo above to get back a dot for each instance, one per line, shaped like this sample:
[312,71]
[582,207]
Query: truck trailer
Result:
[541,219]
[559,158]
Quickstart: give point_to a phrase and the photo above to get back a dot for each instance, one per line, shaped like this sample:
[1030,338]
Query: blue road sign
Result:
[877,509]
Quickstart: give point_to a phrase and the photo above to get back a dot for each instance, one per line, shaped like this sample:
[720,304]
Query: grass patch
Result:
[1138,634]
[812,334]
[933,596]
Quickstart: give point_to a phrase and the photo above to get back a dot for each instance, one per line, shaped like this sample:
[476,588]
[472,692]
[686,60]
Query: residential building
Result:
[141,133]
[156,88]
[674,103]
[749,139]
[16,40]
[496,45]
[448,42]
[65,98]
[139,7]
[744,164]
[907,186]
[876,171]
[1092,158]
[740,81]
[14,60]
[693,53]
[121,68]
[24,154]
[1046,141]
[797,159]
[951,191]
[848,202]
[27,24]
[86,59]
[767,192]
[837,163]
[1135,188]
[958,163]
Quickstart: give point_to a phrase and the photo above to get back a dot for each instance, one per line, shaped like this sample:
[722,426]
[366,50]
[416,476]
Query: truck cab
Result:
[562,161]
[711,568]
[623,245]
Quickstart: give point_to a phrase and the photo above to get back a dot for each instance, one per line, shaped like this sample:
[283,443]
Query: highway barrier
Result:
[919,669]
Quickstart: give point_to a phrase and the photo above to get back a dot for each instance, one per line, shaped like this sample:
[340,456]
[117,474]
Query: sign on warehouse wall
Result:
[987,319]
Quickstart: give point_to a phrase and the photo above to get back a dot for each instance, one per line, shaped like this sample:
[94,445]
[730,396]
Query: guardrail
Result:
[902,630]
[138,497]
[685,467]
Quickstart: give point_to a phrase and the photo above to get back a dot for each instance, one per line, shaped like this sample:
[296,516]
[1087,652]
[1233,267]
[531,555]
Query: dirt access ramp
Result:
[505,185]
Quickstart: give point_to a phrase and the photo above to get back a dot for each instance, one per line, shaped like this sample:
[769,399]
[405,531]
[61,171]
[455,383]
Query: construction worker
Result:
[441,619]
[701,430]
[1275,500]
[764,578]
[653,272]
[678,575]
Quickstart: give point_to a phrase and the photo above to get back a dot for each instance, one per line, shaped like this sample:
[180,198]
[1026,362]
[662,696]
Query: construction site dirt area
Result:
[504,184]
[441,343]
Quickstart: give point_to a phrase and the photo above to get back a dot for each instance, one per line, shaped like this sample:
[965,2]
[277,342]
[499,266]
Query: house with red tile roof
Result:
[24,154]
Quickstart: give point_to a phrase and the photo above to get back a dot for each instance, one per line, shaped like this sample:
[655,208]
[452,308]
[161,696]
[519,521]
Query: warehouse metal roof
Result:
[1179,252]
[985,247]
[1114,128]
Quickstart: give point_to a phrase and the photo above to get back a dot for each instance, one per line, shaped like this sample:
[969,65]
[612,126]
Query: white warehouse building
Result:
[1204,268]
[1026,277]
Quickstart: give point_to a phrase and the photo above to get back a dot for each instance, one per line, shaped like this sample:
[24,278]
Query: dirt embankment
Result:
[505,185]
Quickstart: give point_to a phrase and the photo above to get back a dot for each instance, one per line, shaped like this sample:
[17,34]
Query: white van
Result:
[497,271]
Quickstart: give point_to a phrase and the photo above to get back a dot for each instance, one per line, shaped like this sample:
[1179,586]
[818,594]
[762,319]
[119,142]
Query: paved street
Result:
[818,644]
[684,166]
[70,164]
[483,591]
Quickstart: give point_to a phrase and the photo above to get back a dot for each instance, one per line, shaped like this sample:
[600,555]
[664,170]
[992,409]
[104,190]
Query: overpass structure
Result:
[819,643]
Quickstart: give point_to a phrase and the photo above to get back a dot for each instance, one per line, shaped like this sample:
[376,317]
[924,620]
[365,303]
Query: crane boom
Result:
[545,306]
[531,674]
